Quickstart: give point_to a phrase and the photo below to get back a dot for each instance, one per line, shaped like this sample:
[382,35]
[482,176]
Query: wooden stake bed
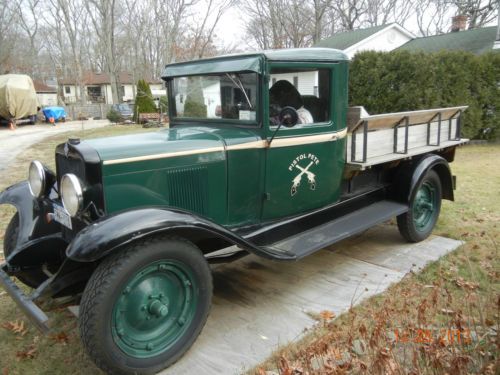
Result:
[379,139]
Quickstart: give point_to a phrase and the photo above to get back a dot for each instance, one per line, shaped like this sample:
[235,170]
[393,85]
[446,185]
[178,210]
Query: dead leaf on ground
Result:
[30,353]
[327,315]
[447,311]
[466,284]
[61,338]
[16,327]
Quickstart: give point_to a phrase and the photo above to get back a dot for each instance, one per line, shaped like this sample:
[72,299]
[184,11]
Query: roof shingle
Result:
[346,39]
[477,41]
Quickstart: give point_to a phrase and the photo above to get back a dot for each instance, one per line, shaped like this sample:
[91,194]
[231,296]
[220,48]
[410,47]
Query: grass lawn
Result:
[23,349]
[459,292]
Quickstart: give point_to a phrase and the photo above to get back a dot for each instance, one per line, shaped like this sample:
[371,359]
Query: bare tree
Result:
[102,13]
[29,23]
[479,12]
[381,12]
[68,18]
[320,8]
[433,16]
[350,12]
[7,41]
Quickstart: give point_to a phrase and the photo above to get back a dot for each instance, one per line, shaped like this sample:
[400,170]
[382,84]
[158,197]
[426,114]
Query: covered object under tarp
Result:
[17,96]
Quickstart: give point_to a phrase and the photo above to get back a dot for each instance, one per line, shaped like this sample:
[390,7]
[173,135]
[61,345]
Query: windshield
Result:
[224,96]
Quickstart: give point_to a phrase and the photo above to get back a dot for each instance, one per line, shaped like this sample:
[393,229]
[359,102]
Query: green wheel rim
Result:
[425,207]
[154,309]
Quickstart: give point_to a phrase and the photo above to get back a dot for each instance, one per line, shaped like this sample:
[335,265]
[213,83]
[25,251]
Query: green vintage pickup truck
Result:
[263,156]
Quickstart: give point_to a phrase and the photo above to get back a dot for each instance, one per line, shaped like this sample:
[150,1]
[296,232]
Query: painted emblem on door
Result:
[303,165]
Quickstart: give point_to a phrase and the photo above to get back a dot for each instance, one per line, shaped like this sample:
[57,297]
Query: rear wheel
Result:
[144,307]
[32,278]
[418,223]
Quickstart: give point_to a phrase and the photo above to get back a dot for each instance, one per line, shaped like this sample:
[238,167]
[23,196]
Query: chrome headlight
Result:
[71,193]
[36,178]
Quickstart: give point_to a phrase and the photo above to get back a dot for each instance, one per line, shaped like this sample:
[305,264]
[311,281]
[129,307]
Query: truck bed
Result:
[384,138]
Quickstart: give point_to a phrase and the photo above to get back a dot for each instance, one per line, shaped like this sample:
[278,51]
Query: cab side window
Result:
[307,90]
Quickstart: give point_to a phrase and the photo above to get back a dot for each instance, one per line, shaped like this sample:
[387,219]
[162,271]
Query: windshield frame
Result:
[175,120]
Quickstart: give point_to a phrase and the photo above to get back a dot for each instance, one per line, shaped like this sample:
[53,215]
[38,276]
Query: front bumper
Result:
[25,303]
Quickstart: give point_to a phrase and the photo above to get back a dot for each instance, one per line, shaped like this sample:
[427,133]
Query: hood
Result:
[168,143]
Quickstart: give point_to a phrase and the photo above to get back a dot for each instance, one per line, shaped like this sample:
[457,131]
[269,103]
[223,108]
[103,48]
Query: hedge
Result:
[404,81]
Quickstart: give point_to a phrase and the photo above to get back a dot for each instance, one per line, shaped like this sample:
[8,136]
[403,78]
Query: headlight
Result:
[36,178]
[71,194]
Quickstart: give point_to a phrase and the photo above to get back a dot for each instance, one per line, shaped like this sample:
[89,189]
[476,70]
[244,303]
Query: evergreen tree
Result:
[144,102]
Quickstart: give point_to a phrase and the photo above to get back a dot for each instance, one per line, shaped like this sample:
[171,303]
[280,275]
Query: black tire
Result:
[32,278]
[104,336]
[417,224]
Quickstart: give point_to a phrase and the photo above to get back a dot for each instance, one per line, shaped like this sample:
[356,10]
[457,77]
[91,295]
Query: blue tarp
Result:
[56,112]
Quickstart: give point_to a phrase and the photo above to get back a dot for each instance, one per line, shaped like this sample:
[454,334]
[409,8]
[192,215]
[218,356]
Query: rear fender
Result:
[410,175]
[111,233]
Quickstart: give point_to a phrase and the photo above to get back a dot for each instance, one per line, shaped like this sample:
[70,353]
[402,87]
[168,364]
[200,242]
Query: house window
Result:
[122,91]
[296,81]
[67,89]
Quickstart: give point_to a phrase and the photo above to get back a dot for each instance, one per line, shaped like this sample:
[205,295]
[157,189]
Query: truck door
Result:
[304,163]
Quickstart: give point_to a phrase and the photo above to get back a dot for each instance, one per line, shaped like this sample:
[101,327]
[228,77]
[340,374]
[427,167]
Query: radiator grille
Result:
[69,165]
[188,189]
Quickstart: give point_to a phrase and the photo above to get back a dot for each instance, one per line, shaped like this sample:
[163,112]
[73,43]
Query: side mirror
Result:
[288,117]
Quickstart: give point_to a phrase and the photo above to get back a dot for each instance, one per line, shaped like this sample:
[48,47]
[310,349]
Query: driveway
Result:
[259,304]
[13,142]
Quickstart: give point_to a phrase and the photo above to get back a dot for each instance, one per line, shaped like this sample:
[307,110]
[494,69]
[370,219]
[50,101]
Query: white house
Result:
[378,38]
[98,87]
[47,96]
[393,36]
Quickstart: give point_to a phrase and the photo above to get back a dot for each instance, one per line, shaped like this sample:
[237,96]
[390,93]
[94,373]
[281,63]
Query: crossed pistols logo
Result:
[299,163]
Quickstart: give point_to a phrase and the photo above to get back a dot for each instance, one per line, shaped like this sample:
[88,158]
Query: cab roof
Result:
[252,61]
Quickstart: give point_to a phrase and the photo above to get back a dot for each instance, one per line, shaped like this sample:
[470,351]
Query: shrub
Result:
[194,105]
[164,104]
[144,102]
[114,116]
[403,81]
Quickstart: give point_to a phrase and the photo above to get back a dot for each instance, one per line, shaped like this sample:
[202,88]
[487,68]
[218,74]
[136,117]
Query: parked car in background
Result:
[124,110]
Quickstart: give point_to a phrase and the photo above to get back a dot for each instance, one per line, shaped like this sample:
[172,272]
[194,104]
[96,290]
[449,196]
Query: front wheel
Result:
[144,307]
[417,224]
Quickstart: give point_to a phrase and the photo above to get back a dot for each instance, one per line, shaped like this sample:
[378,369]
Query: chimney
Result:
[458,23]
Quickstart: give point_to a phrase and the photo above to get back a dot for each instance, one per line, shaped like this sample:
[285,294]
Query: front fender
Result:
[108,234]
[19,196]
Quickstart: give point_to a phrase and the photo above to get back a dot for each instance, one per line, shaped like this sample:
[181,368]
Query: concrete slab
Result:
[259,305]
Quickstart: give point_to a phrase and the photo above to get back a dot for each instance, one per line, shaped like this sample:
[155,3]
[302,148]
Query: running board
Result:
[315,239]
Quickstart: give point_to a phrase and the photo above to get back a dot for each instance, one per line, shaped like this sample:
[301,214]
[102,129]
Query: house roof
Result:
[476,41]
[347,39]
[43,88]
[93,78]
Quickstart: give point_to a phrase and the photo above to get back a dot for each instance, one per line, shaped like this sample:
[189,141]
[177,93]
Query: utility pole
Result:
[496,45]
[498,22]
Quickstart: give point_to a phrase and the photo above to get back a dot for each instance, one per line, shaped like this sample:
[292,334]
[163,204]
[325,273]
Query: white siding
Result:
[385,40]
[306,81]
[129,92]
[47,99]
